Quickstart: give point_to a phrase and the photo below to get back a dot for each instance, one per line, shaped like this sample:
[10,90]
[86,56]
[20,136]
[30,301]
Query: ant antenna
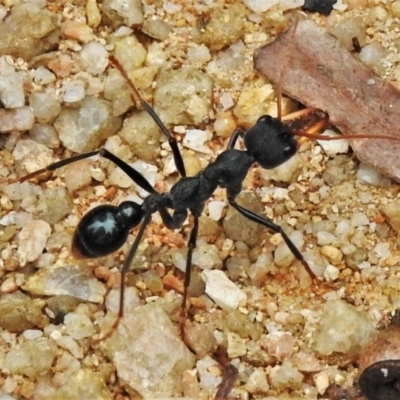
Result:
[269,143]
[282,74]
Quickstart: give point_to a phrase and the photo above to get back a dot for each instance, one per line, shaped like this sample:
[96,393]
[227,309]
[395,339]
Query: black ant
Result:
[105,228]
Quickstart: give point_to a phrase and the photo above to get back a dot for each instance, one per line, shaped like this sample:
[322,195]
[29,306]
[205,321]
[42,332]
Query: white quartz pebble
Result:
[223,291]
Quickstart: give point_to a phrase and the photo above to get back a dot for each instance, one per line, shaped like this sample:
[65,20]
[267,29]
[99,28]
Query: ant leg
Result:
[274,228]
[173,222]
[235,135]
[180,166]
[124,270]
[53,167]
[188,271]
[136,176]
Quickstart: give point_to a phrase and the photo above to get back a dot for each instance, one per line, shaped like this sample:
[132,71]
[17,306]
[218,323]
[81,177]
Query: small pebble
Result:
[215,209]
[280,344]
[342,328]
[94,57]
[195,140]
[8,285]
[147,344]
[333,147]
[19,360]
[321,381]
[149,171]
[306,362]
[68,343]
[383,250]
[32,334]
[286,376]
[183,96]
[331,273]
[66,280]
[11,88]
[325,238]
[78,325]
[123,12]
[236,345]
[260,6]
[54,204]
[206,256]
[19,313]
[32,241]
[93,13]
[43,76]
[19,119]
[359,220]
[208,380]
[223,291]
[283,257]
[372,53]
[44,134]
[367,175]
[45,107]
[77,30]
[85,128]
[257,382]
[200,338]
[333,254]
[73,91]
[77,175]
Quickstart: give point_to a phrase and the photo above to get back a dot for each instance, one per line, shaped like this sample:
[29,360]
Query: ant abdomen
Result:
[104,229]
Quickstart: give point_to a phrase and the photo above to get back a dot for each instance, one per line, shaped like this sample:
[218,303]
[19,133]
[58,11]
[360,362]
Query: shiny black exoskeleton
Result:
[105,228]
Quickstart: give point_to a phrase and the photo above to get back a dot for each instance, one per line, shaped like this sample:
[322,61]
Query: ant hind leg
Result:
[188,272]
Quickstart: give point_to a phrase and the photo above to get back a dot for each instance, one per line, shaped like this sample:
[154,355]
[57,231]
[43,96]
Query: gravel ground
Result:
[257,326]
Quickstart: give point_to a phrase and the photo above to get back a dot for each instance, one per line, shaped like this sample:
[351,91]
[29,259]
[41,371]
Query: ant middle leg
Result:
[274,228]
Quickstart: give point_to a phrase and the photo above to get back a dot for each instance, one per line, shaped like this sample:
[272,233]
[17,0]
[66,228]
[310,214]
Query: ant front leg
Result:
[234,137]
[180,166]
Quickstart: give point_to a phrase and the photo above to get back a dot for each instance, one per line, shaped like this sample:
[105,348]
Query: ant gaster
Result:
[105,228]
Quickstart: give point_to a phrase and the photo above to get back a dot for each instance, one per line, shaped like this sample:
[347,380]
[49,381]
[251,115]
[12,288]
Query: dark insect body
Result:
[105,228]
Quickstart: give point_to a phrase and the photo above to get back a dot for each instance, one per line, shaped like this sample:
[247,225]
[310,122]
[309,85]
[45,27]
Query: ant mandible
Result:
[105,228]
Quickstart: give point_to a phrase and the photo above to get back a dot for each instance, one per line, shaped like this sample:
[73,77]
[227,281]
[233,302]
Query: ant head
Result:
[270,142]
[104,229]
